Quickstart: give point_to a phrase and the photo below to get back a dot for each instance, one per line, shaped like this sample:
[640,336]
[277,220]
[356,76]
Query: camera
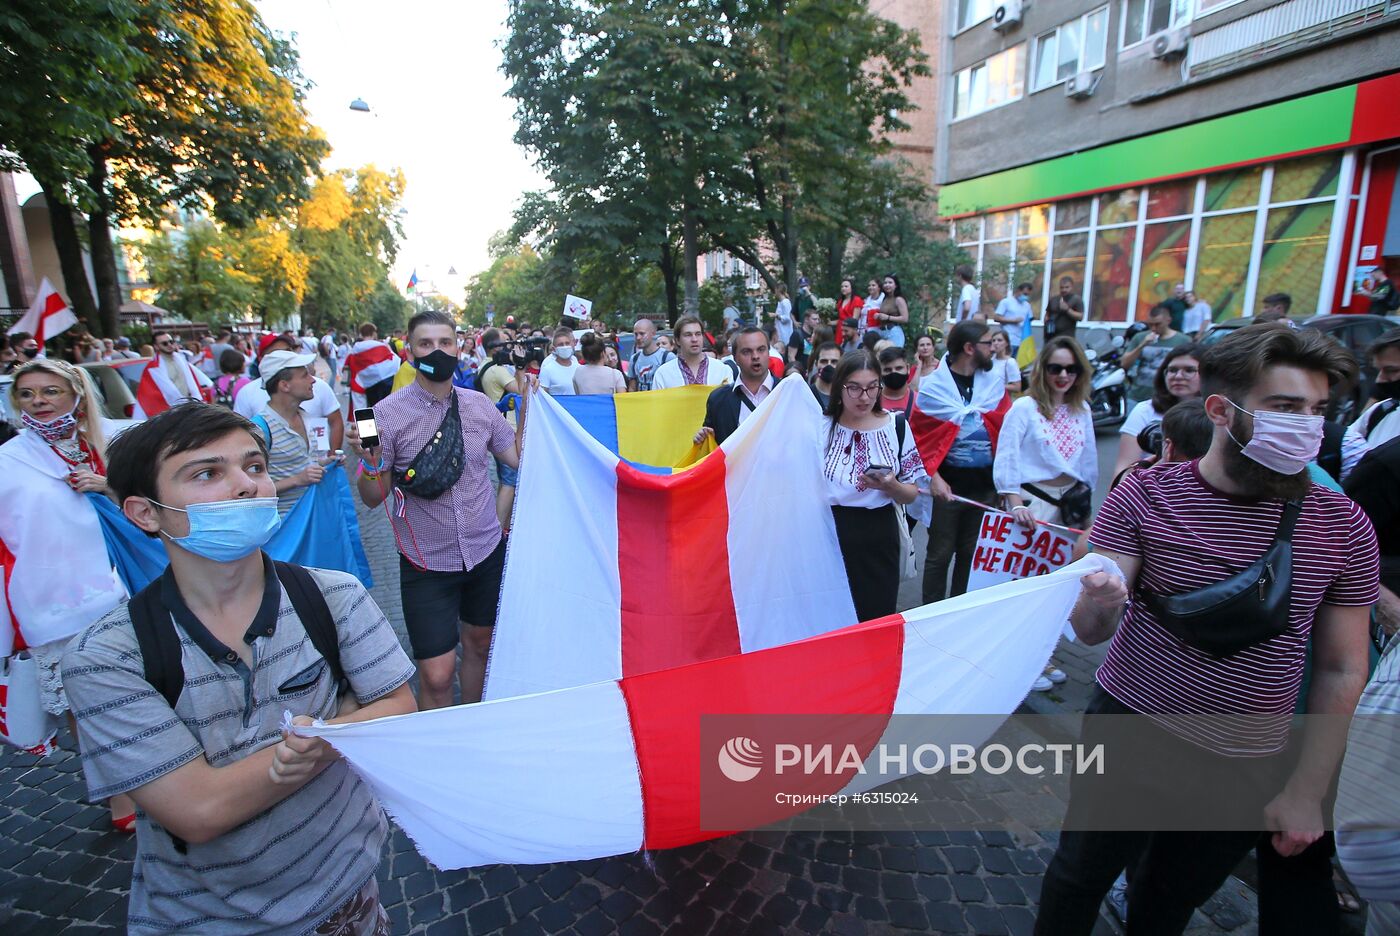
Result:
[1150,439]
[527,350]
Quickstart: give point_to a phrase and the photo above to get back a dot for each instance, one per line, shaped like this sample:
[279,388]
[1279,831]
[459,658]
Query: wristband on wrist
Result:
[372,470]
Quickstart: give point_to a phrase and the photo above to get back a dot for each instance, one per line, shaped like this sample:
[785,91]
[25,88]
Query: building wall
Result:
[925,17]
[1138,94]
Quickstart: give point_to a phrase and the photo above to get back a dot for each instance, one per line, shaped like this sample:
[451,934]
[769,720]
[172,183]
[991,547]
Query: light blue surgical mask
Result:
[226,531]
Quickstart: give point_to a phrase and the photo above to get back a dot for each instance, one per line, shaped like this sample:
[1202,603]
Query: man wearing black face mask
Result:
[451,549]
[27,347]
[1380,422]
[895,396]
[824,371]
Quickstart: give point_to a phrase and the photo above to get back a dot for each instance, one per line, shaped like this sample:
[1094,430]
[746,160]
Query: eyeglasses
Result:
[1055,370]
[48,393]
[985,344]
[860,392]
[1183,371]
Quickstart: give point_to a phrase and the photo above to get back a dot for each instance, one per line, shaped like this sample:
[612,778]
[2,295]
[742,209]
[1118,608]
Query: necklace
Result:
[72,451]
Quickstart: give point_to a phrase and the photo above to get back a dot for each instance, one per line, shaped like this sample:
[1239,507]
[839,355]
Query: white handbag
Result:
[909,559]
[23,721]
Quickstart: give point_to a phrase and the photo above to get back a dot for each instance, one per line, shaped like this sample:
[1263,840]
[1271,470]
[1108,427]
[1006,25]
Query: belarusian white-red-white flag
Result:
[48,316]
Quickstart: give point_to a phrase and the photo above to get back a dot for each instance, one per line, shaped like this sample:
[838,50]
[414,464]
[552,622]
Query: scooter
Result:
[1109,399]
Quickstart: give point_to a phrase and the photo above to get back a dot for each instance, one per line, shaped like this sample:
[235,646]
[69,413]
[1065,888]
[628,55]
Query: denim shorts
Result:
[507,474]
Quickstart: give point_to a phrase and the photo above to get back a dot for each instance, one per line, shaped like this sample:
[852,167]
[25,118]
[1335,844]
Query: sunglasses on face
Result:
[1055,370]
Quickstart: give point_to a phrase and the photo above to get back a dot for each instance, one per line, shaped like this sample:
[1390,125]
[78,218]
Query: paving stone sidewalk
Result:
[63,871]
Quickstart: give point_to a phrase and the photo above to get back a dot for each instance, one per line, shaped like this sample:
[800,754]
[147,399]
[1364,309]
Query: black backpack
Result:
[160,644]
[223,394]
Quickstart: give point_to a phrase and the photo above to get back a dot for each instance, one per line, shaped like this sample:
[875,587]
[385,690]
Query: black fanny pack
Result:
[438,466]
[1075,504]
[1241,611]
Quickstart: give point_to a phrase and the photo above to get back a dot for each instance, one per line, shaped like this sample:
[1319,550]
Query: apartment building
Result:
[1242,147]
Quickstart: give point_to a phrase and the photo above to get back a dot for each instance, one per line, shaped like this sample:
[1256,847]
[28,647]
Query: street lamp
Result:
[359,105]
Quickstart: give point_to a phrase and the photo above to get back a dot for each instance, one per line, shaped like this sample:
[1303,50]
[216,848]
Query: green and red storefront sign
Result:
[1311,241]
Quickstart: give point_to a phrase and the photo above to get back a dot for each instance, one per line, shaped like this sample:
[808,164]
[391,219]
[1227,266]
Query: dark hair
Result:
[1160,308]
[1189,429]
[368,330]
[430,317]
[490,337]
[1079,391]
[825,346]
[963,334]
[850,364]
[1066,279]
[685,320]
[1021,286]
[593,348]
[890,355]
[964,271]
[898,292]
[746,330]
[1390,341]
[1162,399]
[1282,299]
[134,457]
[871,339]
[1234,364]
[231,362]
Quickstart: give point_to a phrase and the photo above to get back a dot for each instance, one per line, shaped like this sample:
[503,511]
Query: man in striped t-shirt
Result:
[1175,529]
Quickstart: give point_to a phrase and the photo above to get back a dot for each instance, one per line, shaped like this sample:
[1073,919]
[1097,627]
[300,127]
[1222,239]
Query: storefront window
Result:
[996,270]
[1222,264]
[1295,250]
[1072,214]
[1030,265]
[1171,199]
[1070,254]
[1119,207]
[1314,177]
[1113,275]
[1035,221]
[967,230]
[999,225]
[1164,252]
[1238,188]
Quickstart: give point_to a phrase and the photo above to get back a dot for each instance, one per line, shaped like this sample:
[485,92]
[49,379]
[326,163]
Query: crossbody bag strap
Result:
[1056,501]
[1288,521]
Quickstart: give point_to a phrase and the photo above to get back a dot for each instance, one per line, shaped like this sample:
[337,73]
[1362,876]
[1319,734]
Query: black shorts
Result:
[433,602]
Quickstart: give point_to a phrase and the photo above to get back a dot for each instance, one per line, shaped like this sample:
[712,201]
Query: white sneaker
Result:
[1041,684]
[1118,897]
[1056,676]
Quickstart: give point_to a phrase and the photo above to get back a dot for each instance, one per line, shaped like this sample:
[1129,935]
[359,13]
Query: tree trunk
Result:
[835,255]
[666,261]
[104,255]
[70,252]
[691,260]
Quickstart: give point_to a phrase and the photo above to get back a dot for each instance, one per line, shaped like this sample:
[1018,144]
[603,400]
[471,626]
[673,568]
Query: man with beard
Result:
[1180,528]
[958,411]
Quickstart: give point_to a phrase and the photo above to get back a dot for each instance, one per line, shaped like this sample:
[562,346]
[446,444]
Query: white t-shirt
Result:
[782,319]
[1013,308]
[252,398]
[1139,418]
[1195,318]
[558,379]
[669,375]
[971,297]
[1010,370]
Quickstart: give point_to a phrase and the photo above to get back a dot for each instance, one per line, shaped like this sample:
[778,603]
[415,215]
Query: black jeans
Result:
[1173,872]
[952,537]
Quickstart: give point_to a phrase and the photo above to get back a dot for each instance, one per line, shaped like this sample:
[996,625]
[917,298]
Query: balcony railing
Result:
[1278,29]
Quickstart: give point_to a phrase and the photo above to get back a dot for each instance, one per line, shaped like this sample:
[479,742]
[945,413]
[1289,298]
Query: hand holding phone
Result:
[365,428]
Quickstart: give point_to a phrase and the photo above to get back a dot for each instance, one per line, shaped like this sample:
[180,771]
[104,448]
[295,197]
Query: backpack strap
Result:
[900,422]
[1381,411]
[315,614]
[261,423]
[158,641]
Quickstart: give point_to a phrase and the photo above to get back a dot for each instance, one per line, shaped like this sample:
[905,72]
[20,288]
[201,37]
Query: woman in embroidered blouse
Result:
[867,472]
[1047,438]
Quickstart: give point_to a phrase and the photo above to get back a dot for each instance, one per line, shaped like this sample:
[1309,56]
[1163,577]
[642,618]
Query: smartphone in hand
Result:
[369,434]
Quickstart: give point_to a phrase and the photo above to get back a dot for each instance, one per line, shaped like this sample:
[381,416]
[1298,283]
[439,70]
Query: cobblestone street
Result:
[62,870]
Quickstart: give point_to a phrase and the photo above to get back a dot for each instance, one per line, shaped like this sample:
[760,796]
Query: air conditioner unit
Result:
[1081,85]
[1171,44]
[1007,15]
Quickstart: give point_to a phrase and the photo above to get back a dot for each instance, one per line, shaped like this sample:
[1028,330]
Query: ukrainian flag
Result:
[652,430]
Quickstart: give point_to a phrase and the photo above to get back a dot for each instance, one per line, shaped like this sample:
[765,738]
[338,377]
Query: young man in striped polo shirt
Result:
[1177,528]
[241,828]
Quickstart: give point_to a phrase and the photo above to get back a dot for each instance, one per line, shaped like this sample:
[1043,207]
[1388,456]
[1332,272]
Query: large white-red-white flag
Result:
[48,316]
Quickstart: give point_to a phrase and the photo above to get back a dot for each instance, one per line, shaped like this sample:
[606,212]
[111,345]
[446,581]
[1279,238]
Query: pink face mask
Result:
[1282,442]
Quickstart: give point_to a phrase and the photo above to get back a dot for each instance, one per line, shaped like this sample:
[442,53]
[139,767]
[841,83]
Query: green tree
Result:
[197,273]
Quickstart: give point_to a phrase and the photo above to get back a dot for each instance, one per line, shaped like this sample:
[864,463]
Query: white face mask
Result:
[564,352]
[1282,442]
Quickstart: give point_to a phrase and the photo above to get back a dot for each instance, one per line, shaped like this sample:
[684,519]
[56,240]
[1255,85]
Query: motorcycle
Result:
[1109,399]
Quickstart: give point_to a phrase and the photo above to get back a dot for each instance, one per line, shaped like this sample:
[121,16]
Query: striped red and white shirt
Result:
[1190,535]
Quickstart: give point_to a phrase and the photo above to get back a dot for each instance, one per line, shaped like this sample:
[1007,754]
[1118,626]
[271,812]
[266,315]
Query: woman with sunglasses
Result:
[58,577]
[871,464]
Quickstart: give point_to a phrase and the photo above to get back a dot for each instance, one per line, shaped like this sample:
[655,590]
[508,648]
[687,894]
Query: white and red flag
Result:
[49,315]
[940,411]
[156,392]
[370,362]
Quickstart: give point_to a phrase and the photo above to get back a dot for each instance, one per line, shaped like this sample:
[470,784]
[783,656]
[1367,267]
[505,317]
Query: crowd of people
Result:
[1222,457]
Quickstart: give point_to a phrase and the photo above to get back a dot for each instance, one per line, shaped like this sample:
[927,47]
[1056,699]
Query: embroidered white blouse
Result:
[849,452]
[1032,448]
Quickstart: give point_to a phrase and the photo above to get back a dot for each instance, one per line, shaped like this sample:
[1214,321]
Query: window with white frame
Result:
[971,12]
[1077,46]
[1144,18]
[990,84]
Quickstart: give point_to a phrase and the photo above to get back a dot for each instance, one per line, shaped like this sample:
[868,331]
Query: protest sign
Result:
[1006,551]
[577,308]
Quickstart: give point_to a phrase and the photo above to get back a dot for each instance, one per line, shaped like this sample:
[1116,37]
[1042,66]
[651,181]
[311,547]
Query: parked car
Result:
[116,386]
[1356,333]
